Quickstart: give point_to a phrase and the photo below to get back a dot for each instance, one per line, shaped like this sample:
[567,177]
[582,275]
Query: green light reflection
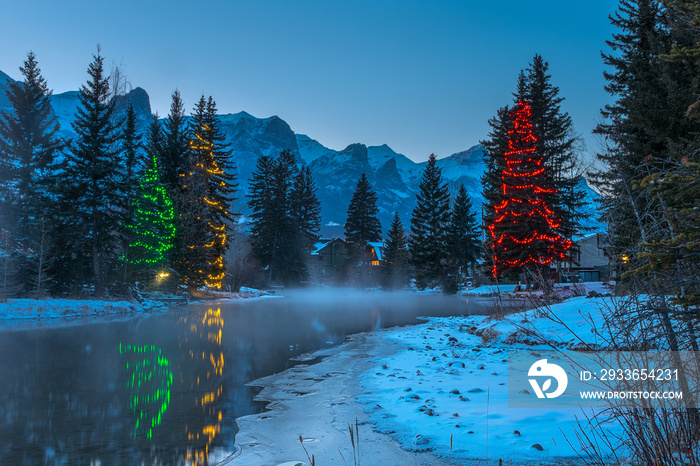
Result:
[149,380]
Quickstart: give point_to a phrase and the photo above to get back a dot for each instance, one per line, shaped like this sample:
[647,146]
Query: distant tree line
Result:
[112,207]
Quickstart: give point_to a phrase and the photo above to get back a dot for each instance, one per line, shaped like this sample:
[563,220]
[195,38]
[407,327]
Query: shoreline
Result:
[294,397]
[34,314]
[383,377]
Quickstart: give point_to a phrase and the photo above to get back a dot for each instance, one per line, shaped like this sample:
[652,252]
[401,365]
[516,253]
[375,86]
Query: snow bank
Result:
[488,290]
[206,294]
[446,391]
[492,290]
[57,308]
[245,292]
[25,314]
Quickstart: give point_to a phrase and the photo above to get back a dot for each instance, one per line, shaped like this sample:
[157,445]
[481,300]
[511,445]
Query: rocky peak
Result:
[388,176]
[137,98]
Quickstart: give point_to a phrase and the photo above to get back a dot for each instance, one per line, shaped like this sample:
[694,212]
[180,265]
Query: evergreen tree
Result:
[155,139]
[395,272]
[29,146]
[650,182]
[677,187]
[554,141]
[131,143]
[495,146]
[153,225]
[263,229]
[465,246]
[306,208]
[292,267]
[362,224]
[524,233]
[284,219]
[651,162]
[648,118]
[205,208]
[556,144]
[172,146]
[91,177]
[173,153]
[686,14]
[673,262]
[430,222]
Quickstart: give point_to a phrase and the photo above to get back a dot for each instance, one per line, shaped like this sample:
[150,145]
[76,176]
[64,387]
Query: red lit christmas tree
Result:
[523,233]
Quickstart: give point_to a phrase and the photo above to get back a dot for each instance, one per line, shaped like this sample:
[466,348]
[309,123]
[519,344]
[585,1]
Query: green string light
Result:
[149,385]
[154,221]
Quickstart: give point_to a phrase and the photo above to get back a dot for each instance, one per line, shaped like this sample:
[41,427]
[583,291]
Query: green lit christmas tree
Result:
[153,226]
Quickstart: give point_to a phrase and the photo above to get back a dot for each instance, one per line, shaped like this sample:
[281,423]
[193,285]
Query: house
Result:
[374,253]
[329,259]
[592,262]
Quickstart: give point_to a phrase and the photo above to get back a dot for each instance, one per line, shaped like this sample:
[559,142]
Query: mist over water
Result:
[166,388]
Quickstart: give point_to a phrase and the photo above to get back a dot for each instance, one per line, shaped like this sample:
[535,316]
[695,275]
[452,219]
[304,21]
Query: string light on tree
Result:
[524,230]
[203,147]
[208,187]
[153,225]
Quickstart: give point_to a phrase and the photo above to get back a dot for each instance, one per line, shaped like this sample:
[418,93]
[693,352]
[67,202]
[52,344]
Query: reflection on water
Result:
[205,334]
[124,393]
[166,389]
[148,381]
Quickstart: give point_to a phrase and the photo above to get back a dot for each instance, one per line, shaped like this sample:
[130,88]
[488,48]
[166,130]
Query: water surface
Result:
[166,388]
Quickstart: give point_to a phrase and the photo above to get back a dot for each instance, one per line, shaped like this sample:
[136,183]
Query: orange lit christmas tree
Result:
[208,188]
[524,231]
[215,227]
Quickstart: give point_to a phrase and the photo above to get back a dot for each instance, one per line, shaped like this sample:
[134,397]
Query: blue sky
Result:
[420,76]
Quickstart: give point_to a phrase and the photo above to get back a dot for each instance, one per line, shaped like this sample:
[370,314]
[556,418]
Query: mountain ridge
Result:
[394,176]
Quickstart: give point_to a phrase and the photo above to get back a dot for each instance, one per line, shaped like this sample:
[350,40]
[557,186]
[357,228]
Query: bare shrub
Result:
[488,335]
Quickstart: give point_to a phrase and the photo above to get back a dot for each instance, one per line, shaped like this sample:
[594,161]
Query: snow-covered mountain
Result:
[5,81]
[394,176]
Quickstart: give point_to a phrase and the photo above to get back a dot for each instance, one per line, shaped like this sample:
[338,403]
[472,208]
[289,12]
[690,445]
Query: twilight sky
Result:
[420,76]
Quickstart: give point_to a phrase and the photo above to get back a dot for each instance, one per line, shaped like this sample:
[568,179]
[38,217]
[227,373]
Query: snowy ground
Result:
[19,314]
[318,402]
[449,385]
[487,290]
[24,314]
[439,390]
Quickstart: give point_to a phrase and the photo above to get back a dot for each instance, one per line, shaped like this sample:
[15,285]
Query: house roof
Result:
[377,246]
[319,246]
[583,238]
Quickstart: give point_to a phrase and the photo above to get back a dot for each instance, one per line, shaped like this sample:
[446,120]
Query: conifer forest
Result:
[139,254]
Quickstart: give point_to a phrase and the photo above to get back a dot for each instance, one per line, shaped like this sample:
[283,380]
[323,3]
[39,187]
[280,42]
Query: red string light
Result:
[525,223]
